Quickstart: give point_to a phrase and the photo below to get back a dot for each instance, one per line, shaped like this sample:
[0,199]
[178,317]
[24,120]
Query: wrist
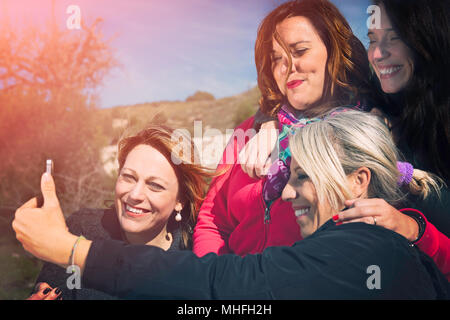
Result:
[81,253]
[65,246]
[413,229]
[420,220]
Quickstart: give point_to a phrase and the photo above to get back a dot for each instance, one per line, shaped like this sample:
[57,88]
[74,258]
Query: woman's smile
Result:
[301,211]
[387,72]
[134,212]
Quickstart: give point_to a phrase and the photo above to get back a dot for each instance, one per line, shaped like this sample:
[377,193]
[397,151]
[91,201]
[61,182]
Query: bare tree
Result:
[48,97]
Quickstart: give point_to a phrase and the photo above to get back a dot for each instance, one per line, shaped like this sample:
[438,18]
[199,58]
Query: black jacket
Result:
[336,262]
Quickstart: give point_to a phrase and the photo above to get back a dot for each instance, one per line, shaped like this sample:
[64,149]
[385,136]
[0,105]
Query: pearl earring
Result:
[178,217]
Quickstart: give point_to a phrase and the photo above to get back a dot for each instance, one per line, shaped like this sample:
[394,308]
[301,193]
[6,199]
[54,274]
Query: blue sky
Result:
[170,49]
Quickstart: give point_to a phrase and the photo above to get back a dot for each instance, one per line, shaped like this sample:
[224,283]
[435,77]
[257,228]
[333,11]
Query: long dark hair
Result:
[347,66]
[424,114]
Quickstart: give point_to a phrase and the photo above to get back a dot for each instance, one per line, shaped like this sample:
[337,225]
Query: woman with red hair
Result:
[308,61]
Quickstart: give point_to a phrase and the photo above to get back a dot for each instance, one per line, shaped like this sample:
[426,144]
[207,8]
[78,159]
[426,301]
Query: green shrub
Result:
[200,96]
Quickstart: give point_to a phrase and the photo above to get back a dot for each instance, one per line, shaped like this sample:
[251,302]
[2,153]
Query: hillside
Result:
[220,114]
[224,113]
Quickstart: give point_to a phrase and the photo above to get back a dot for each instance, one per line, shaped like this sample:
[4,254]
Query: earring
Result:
[178,217]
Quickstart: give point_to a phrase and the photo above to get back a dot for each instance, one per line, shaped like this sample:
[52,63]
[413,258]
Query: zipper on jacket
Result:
[266,210]
[266,222]
[267,219]
[266,215]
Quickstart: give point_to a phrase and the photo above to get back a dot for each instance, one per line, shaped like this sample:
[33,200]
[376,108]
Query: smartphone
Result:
[49,166]
[48,169]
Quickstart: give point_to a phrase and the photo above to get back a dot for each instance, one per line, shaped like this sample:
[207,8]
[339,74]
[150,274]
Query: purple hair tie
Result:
[406,173]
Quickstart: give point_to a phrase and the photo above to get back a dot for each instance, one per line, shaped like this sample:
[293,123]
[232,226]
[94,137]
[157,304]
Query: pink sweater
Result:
[232,216]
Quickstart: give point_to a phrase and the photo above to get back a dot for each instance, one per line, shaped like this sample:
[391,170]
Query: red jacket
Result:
[233,216]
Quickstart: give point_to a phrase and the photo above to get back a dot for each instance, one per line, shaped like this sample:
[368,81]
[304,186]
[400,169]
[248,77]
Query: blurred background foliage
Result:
[48,83]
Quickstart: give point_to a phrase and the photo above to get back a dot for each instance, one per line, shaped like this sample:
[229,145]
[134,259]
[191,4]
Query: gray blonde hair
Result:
[331,149]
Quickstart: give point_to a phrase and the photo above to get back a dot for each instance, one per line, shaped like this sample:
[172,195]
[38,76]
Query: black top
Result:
[349,261]
[93,224]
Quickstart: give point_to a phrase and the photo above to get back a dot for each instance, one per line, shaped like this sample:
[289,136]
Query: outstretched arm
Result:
[327,265]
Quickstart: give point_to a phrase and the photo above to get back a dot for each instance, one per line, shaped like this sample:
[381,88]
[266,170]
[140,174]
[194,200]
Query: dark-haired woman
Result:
[409,55]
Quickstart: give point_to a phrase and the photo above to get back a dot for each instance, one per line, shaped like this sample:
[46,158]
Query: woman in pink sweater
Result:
[308,61]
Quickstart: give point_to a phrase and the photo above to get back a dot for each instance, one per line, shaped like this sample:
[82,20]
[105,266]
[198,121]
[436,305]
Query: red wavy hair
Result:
[347,72]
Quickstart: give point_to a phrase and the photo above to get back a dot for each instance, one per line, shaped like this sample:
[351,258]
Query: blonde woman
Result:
[349,155]
[351,145]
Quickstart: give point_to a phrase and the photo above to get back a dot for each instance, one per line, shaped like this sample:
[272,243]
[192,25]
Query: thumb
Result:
[48,190]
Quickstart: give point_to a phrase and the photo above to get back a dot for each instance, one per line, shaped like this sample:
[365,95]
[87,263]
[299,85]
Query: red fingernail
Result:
[335,217]
[339,223]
